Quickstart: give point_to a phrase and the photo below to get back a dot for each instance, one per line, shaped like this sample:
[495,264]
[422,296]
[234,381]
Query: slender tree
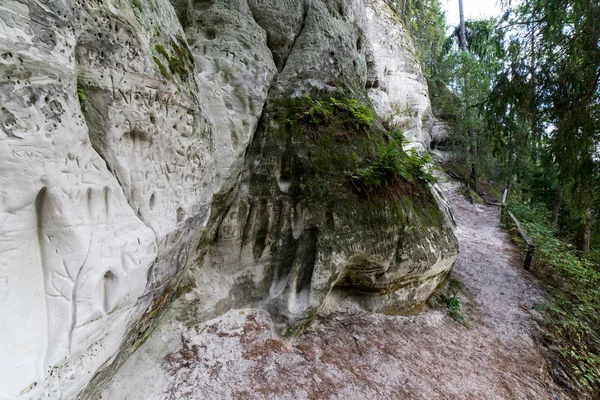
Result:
[462,27]
[472,133]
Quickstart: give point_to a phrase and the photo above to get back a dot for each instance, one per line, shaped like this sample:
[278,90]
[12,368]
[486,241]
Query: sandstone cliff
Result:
[152,147]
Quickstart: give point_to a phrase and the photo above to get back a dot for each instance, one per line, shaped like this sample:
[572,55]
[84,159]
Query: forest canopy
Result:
[520,94]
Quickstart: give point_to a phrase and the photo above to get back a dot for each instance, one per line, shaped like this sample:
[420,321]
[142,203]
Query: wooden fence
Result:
[522,233]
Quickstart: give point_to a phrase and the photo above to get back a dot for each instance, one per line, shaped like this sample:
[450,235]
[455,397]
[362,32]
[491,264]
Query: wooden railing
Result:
[522,233]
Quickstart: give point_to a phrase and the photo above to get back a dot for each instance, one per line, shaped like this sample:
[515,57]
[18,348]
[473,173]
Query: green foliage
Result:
[178,63]
[161,67]
[484,41]
[315,160]
[452,303]
[178,67]
[317,113]
[184,49]
[350,111]
[137,4]
[448,297]
[362,116]
[328,149]
[390,164]
[81,94]
[460,87]
[523,102]
[426,23]
[160,49]
[544,110]
[573,281]
[445,104]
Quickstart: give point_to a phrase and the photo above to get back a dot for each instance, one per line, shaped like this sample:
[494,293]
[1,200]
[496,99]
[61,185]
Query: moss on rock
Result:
[378,242]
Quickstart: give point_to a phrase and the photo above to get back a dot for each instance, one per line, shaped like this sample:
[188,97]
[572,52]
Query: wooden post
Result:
[528,241]
[528,256]
[503,203]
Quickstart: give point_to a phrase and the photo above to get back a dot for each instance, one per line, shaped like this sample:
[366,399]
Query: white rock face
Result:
[396,83]
[124,128]
[73,254]
[235,70]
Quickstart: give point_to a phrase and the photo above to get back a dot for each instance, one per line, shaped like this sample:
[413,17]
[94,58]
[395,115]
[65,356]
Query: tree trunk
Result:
[534,125]
[472,133]
[585,202]
[584,234]
[474,174]
[510,158]
[463,36]
[557,203]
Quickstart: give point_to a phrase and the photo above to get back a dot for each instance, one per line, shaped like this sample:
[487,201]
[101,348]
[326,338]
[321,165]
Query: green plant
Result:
[391,163]
[320,112]
[317,113]
[160,49]
[187,50]
[362,116]
[137,4]
[161,67]
[573,281]
[453,305]
[177,64]
[448,297]
[178,67]
[81,94]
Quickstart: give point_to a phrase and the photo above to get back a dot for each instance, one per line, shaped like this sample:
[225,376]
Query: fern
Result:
[391,163]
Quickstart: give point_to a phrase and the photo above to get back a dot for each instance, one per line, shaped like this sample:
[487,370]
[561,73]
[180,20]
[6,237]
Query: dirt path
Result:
[349,354]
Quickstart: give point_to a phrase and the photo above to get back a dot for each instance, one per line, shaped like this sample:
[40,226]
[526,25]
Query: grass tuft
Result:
[81,94]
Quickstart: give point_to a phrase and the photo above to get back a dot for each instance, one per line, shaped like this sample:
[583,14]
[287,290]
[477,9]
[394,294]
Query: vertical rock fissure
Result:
[304,15]
[305,6]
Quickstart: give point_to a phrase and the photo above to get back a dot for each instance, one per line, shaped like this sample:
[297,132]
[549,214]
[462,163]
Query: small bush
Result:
[452,303]
[448,297]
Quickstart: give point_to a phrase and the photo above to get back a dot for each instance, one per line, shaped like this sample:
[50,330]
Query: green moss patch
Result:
[179,60]
[161,67]
[160,49]
[333,155]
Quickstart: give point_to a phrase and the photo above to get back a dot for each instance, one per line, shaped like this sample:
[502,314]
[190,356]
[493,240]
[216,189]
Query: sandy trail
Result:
[350,354]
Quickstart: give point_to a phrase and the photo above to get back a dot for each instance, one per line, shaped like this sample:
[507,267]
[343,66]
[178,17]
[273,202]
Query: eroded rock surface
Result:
[142,145]
[295,229]
[348,353]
